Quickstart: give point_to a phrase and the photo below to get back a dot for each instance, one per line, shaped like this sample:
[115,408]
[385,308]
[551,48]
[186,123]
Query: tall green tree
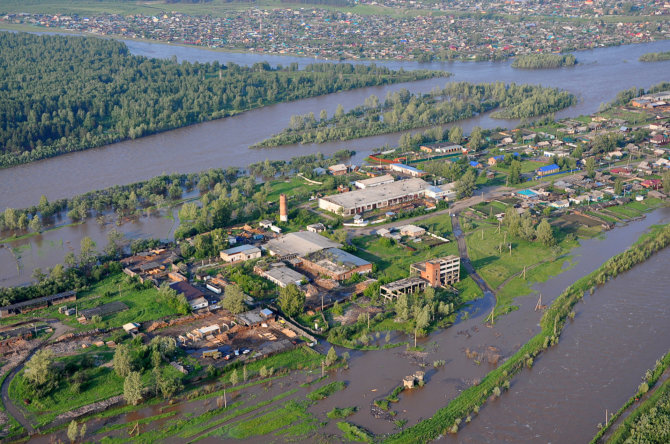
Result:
[123,360]
[233,300]
[132,388]
[545,233]
[456,134]
[591,167]
[291,300]
[466,185]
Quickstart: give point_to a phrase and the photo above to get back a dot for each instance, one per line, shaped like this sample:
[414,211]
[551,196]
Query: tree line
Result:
[543,61]
[403,110]
[129,200]
[69,93]
[655,56]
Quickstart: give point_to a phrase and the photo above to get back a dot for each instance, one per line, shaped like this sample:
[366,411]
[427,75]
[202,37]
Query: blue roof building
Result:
[548,169]
[406,169]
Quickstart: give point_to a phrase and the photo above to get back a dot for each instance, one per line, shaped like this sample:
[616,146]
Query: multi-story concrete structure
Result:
[438,272]
[403,286]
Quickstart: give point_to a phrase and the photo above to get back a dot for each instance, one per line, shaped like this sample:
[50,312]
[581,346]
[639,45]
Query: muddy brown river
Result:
[600,74]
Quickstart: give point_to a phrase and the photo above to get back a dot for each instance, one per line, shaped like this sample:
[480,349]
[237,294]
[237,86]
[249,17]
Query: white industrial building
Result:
[374,181]
[381,196]
[299,244]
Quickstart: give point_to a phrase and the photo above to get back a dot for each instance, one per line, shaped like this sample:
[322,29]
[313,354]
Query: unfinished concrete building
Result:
[438,272]
[403,286]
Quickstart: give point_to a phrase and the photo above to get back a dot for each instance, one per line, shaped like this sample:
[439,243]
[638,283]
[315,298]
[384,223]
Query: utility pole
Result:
[323,368]
[510,249]
[368,320]
[524,272]
[225,400]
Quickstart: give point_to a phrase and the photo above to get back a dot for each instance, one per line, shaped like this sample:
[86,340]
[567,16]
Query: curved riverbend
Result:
[600,74]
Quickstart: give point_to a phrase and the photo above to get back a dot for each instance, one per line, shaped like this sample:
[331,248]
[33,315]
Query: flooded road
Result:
[600,74]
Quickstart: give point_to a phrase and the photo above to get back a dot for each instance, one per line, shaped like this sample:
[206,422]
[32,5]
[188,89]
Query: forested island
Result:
[544,61]
[402,111]
[65,93]
[655,56]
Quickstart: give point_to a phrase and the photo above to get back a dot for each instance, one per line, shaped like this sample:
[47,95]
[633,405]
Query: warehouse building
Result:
[381,196]
[335,263]
[299,244]
[241,253]
[374,181]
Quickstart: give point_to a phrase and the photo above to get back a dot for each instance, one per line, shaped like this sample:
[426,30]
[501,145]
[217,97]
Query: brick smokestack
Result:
[283,208]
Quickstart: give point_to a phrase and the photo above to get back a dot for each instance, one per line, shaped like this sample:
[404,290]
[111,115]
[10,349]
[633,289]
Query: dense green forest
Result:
[402,110]
[655,56]
[540,61]
[67,93]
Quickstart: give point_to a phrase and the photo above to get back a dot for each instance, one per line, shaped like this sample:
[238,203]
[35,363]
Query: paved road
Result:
[12,409]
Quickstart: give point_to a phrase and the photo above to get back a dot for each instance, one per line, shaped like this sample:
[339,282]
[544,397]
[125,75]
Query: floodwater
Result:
[599,76]
[19,258]
[218,144]
[560,399]
[597,329]
[619,332]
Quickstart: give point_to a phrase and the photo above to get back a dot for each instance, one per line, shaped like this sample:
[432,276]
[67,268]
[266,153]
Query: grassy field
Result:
[294,186]
[101,383]
[495,266]
[393,261]
[143,305]
[215,8]
[519,286]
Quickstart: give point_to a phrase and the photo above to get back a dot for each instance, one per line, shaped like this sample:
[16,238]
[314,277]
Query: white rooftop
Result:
[300,243]
[381,193]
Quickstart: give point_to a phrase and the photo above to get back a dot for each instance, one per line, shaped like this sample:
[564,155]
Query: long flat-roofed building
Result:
[381,196]
[374,181]
[299,244]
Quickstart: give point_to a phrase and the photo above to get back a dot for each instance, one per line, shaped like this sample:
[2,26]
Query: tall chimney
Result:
[283,208]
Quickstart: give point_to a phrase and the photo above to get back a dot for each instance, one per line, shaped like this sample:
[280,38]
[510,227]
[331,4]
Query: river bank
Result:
[372,375]
[225,142]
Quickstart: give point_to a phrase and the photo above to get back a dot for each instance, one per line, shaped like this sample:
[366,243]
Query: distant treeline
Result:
[655,56]
[402,110]
[539,61]
[67,93]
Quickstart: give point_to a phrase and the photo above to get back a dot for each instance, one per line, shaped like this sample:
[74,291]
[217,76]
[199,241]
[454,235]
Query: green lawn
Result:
[393,261]
[494,266]
[293,186]
[143,305]
[521,287]
[101,383]
[468,290]
[440,225]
